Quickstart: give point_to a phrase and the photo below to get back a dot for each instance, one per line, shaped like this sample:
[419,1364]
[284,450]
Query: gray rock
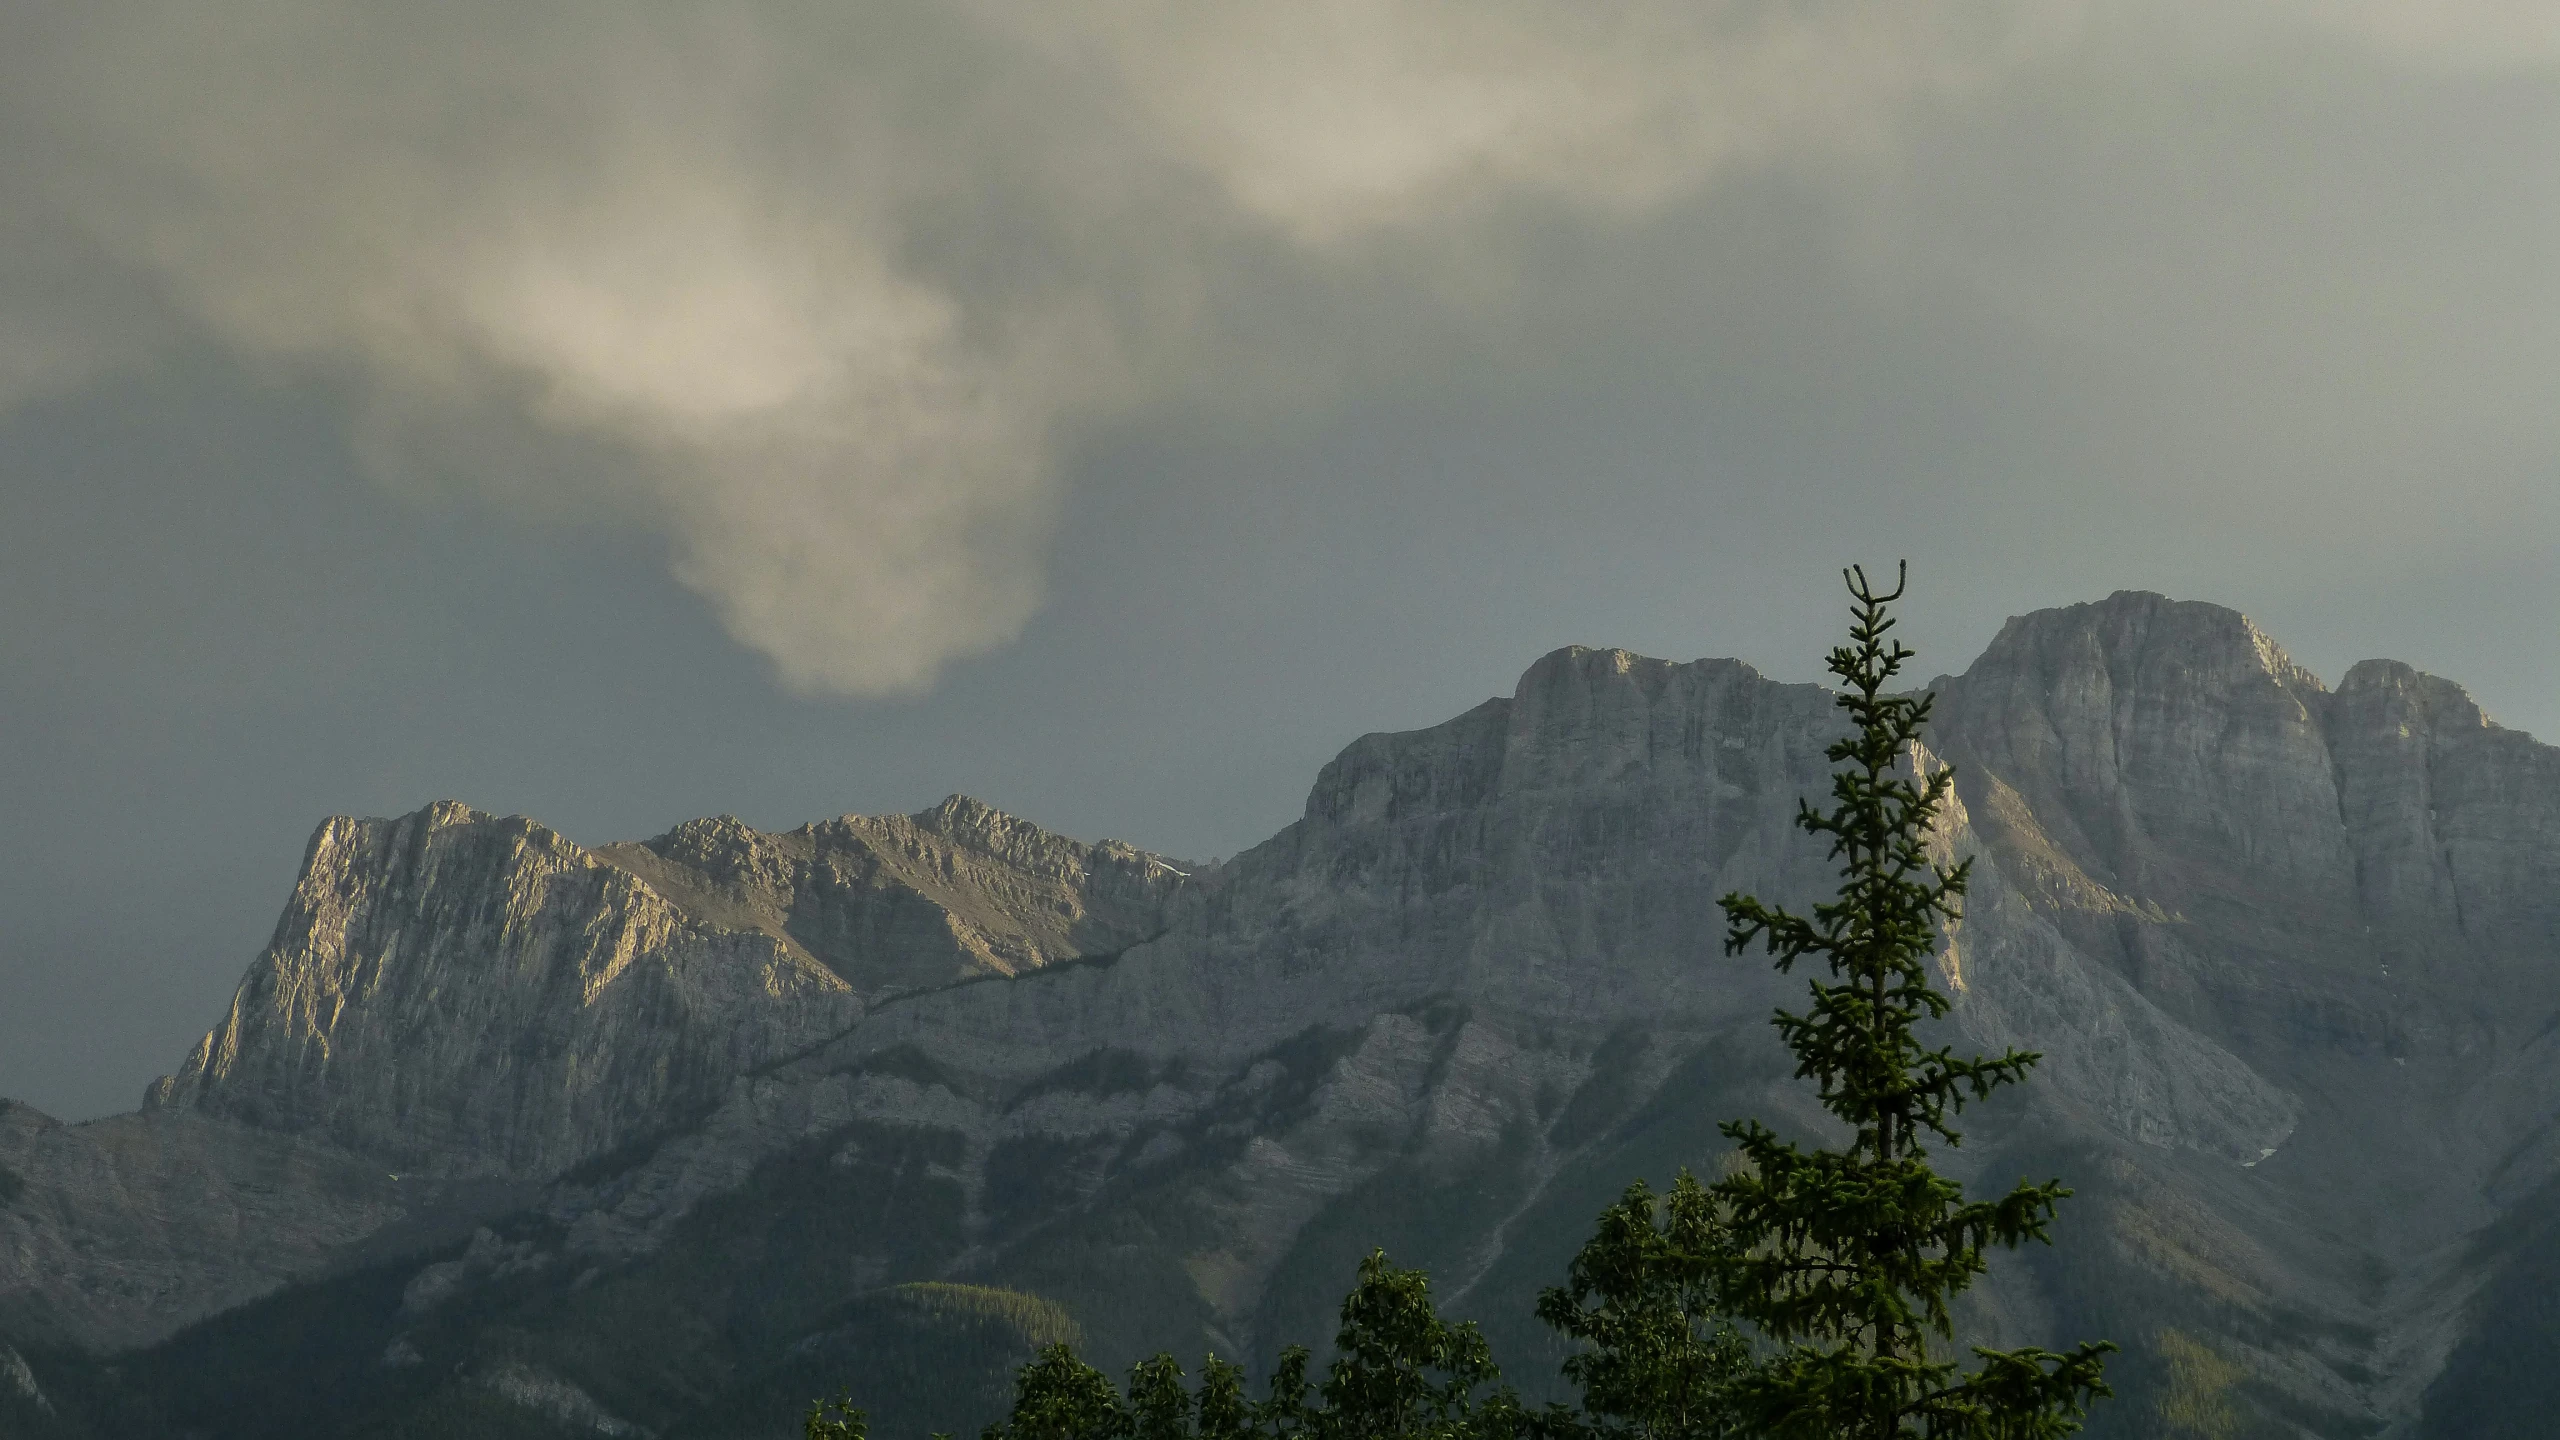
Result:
[20,1378]
[488,1258]
[131,1226]
[455,1004]
[556,1399]
[2289,954]
[480,995]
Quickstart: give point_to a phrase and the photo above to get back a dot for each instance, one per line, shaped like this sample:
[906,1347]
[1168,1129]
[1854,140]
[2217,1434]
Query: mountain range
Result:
[504,1135]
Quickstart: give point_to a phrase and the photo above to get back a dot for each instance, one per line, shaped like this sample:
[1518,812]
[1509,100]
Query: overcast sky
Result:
[619,413]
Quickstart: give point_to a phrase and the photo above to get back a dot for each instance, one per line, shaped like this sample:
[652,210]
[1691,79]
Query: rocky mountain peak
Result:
[972,823]
[1579,718]
[2154,739]
[2287,954]
[2139,640]
[486,994]
[960,815]
[2411,696]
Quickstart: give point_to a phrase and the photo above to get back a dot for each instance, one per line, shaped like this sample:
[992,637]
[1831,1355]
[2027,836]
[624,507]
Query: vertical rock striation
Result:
[483,995]
[893,903]
[2293,957]
[480,994]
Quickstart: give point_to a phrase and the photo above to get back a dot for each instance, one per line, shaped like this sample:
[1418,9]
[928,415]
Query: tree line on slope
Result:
[1795,1299]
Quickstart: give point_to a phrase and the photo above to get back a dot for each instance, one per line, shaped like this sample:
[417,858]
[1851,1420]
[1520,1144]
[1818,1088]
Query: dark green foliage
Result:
[12,1185]
[290,1363]
[1159,1408]
[922,1357]
[1399,1369]
[1101,1071]
[2500,1381]
[835,1419]
[1841,1261]
[1658,1357]
[1673,1126]
[1845,1259]
[1284,1411]
[1032,1177]
[1059,1397]
[1423,1210]
[1224,1412]
[1035,1319]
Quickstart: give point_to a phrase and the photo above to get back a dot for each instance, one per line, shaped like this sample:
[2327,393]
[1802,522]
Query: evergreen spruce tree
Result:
[1841,1262]
[1844,1260]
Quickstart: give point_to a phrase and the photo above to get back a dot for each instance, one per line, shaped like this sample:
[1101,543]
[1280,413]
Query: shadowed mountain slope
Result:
[2293,956]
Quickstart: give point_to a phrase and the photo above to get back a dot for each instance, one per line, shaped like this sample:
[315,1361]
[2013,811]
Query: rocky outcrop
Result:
[2164,766]
[893,903]
[456,1005]
[2456,849]
[123,1229]
[2175,900]
[19,1388]
[477,994]
[1560,854]
[559,1401]
[481,995]
[1509,925]
[2363,883]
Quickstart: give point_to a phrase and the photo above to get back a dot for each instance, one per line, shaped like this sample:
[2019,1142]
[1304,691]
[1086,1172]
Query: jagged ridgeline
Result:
[506,1135]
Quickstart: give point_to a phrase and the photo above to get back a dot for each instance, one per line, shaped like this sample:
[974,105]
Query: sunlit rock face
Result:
[2291,956]
[1502,934]
[470,993]
[2366,861]
[477,994]
[456,1005]
[893,903]
[2358,892]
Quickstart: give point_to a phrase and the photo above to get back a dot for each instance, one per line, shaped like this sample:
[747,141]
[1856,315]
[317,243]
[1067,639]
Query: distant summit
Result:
[467,994]
[727,1098]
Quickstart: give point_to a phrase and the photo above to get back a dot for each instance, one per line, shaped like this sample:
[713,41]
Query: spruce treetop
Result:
[1846,1258]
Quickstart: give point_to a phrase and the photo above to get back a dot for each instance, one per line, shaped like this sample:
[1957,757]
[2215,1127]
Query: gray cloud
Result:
[824,296]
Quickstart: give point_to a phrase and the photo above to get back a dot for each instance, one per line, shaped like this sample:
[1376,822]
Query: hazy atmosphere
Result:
[621,413]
